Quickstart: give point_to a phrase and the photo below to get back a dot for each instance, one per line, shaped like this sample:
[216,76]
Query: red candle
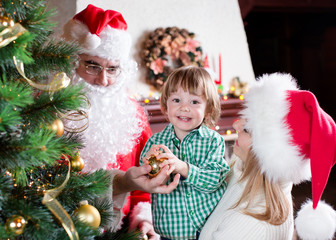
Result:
[219,81]
[220,68]
[206,62]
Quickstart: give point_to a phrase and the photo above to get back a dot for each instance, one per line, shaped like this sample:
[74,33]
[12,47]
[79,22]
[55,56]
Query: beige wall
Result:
[217,25]
[66,9]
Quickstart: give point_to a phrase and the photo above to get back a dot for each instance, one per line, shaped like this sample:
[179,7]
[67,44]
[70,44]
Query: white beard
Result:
[114,125]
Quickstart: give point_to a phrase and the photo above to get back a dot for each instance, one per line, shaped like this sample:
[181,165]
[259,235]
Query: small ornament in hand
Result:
[154,163]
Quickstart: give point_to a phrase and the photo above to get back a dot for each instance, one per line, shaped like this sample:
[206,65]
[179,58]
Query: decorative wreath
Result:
[167,49]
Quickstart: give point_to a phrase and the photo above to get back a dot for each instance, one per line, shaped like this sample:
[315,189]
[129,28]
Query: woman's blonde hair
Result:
[191,79]
[277,205]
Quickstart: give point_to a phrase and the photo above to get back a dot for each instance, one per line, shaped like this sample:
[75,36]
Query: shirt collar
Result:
[202,131]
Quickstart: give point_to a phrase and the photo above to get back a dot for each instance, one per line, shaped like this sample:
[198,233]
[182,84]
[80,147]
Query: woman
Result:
[282,132]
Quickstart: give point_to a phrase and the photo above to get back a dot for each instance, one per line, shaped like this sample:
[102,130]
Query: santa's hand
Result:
[148,230]
[136,178]
[158,183]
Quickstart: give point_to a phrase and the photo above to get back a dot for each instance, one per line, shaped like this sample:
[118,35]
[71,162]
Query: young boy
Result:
[191,103]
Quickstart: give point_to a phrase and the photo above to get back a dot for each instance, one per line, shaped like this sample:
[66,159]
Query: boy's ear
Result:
[164,112]
[207,114]
[207,119]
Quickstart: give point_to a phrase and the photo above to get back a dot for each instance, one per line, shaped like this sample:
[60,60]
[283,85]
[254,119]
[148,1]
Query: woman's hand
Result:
[148,230]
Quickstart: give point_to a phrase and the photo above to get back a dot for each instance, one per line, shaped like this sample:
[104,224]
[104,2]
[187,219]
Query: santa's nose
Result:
[103,79]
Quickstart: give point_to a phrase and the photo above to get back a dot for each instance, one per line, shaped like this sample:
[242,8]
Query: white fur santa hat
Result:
[290,132]
[99,33]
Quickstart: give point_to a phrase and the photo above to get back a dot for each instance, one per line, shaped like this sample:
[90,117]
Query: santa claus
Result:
[118,128]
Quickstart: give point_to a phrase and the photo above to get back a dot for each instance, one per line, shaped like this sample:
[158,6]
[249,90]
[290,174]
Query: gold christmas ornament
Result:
[238,88]
[16,224]
[77,163]
[58,127]
[154,163]
[88,214]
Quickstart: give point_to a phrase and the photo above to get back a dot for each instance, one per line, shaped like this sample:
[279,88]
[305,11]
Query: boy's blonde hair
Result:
[192,78]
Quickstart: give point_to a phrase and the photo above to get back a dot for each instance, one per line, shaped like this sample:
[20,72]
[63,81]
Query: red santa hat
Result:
[99,33]
[290,132]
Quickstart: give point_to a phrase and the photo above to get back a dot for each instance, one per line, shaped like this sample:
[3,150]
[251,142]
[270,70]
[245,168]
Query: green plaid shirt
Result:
[183,212]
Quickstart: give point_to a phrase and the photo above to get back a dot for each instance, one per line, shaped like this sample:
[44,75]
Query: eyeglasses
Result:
[94,69]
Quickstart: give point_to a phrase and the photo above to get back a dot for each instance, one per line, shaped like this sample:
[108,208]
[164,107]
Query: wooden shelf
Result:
[229,113]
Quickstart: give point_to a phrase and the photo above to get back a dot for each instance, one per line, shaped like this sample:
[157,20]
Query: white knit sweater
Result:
[226,223]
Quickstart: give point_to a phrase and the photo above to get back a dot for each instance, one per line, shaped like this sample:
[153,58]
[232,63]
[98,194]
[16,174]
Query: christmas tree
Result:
[41,186]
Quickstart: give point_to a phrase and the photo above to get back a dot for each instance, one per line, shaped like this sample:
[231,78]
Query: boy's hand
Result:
[154,150]
[175,165]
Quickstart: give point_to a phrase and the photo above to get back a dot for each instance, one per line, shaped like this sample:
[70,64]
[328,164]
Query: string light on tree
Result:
[6,22]
[16,224]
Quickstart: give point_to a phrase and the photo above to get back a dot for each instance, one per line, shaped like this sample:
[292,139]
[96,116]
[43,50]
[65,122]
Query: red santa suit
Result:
[118,130]
[136,200]
[118,127]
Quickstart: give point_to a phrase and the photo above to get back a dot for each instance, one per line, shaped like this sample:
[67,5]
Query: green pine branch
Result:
[30,152]
[32,15]
[121,235]
[49,105]
[51,54]
[15,93]
[17,49]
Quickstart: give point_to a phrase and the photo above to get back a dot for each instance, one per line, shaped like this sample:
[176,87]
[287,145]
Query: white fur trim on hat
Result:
[76,31]
[141,212]
[266,107]
[111,44]
[316,224]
